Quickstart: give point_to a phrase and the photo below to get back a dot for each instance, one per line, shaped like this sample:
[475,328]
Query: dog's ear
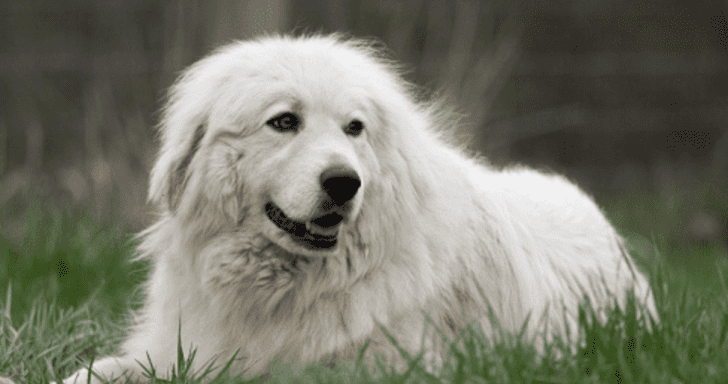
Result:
[171,172]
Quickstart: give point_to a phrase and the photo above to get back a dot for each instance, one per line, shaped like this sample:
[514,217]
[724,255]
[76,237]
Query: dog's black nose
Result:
[340,183]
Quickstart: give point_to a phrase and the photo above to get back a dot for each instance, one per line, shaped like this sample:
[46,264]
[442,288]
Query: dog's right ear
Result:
[171,172]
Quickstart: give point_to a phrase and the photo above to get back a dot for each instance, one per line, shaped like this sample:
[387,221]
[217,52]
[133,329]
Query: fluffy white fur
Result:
[429,232]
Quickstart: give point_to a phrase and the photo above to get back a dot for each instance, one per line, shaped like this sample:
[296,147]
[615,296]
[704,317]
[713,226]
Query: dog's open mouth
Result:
[320,232]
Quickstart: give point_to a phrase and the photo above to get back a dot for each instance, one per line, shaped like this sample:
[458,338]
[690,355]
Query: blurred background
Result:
[629,99]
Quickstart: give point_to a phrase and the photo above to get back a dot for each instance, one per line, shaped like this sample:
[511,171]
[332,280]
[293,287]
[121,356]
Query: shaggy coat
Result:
[307,200]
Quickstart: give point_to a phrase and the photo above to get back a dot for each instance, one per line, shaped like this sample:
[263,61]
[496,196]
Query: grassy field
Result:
[68,286]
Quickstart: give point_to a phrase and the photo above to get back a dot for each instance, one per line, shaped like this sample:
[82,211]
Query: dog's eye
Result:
[284,122]
[354,128]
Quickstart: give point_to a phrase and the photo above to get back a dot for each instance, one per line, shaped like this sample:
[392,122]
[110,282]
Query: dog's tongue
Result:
[328,220]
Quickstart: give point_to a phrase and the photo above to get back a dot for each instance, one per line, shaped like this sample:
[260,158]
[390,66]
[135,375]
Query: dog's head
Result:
[276,136]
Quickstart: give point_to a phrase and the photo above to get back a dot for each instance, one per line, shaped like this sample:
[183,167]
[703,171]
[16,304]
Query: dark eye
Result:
[284,122]
[354,128]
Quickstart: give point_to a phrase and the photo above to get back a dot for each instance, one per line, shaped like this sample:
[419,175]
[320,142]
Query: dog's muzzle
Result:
[341,185]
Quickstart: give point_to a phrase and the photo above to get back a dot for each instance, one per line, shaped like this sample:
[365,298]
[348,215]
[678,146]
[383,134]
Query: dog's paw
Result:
[113,369]
[81,377]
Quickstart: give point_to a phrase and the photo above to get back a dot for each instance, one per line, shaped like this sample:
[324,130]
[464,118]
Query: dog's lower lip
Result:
[299,231]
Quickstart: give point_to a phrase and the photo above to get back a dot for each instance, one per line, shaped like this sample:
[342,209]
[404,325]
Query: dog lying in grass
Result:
[308,202]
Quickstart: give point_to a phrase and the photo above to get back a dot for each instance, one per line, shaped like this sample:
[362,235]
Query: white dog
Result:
[307,201]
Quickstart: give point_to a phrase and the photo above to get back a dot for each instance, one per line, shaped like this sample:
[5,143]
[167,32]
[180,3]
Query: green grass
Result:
[68,285]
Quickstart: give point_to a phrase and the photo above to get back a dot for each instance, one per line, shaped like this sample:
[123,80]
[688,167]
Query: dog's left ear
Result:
[171,172]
